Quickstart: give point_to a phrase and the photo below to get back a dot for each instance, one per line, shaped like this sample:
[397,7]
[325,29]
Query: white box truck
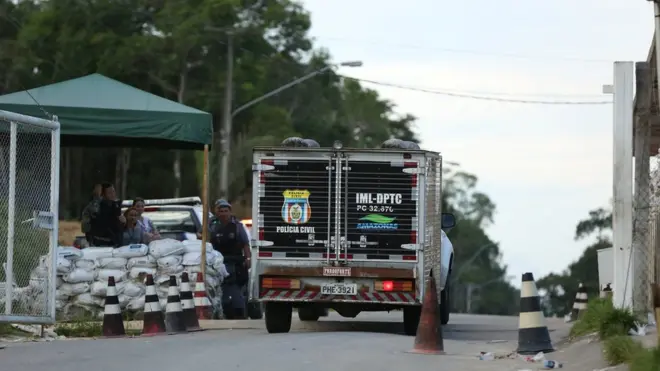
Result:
[348,229]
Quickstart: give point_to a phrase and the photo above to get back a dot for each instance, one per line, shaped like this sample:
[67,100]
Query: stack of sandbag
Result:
[82,275]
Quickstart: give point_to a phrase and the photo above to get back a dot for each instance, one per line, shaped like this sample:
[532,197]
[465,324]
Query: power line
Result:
[477,97]
[480,95]
[465,51]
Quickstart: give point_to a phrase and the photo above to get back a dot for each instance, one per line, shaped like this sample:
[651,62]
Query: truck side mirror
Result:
[448,220]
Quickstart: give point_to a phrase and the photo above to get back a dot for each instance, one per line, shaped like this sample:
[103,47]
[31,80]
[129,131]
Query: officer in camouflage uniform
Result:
[91,209]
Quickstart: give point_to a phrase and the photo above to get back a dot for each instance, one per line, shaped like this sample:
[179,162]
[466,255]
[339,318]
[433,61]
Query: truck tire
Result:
[309,314]
[411,317]
[278,317]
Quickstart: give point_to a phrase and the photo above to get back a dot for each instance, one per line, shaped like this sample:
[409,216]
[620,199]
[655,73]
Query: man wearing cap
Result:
[228,236]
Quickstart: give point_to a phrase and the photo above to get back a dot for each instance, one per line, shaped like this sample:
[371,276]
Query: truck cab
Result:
[348,229]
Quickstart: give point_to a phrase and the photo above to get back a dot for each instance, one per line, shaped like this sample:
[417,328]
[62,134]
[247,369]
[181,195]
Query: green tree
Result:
[478,275]
[561,288]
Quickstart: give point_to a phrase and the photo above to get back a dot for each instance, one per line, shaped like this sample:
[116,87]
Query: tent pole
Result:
[205,209]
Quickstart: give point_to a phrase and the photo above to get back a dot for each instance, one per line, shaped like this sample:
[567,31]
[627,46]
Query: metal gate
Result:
[29,198]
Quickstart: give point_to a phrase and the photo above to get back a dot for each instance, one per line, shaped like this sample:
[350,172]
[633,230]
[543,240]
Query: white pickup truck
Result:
[349,229]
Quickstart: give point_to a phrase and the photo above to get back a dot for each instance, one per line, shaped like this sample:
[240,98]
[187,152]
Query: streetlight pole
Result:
[228,114]
[463,267]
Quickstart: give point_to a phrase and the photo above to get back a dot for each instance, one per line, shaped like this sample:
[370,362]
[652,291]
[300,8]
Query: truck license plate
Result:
[338,289]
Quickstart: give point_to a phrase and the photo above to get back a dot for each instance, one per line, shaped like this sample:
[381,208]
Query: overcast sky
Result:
[545,166]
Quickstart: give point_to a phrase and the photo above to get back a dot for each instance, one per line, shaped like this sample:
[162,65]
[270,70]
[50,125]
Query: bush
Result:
[646,360]
[603,318]
[621,349]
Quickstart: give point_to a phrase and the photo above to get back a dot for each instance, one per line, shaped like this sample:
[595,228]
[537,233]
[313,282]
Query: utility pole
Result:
[226,129]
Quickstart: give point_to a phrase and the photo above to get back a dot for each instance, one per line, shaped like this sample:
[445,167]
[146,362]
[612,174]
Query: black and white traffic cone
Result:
[533,334]
[153,322]
[580,303]
[188,305]
[113,322]
[174,322]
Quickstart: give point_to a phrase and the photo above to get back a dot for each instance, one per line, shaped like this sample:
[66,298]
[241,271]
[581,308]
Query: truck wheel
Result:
[444,306]
[254,310]
[278,317]
[411,317]
[309,314]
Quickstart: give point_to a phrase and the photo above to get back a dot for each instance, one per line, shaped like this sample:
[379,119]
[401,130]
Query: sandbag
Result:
[63,265]
[58,281]
[195,246]
[195,258]
[79,275]
[136,303]
[176,270]
[72,289]
[140,272]
[194,269]
[87,299]
[112,263]
[146,261]
[162,279]
[61,296]
[169,262]
[123,300]
[95,253]
[165,247]
[134,289]
[163,302]
[86,264]
[131,251]
[69,252]
[118,274]
[100,288]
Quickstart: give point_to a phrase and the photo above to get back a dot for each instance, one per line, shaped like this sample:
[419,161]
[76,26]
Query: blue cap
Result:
[222,203]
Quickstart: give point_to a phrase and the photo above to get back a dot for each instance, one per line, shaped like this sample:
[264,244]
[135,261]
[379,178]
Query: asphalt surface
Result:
[372,341]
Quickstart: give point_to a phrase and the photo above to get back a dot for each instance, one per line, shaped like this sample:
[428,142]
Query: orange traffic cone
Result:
[153,322]
[202,303]
[113,323]
[429,331]
[188,306]
[174,322]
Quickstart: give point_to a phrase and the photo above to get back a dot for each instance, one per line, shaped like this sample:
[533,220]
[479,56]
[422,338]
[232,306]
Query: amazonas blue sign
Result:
[378,222]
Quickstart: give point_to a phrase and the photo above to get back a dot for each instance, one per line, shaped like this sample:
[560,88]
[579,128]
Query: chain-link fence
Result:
[29,188]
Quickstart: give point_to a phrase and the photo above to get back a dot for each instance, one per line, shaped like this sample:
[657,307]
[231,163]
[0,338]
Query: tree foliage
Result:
[561,288]
[178,49]
[478,276]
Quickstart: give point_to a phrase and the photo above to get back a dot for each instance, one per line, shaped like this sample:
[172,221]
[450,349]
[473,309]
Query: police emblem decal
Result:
[296,209]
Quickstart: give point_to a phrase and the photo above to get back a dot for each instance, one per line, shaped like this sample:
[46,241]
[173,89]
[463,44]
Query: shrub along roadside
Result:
[612,326]
[603,318]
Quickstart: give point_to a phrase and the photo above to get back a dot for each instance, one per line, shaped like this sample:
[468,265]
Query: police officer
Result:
[228,236]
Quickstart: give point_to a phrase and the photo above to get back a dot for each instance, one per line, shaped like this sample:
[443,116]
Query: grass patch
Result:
[646,360]
[86,326]
[603,318]
[7,329]
[621,349]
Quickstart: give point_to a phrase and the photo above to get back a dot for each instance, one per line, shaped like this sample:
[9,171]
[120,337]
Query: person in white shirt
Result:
[147,225]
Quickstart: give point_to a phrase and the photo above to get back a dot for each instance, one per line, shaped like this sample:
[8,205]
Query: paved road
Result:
[369,342]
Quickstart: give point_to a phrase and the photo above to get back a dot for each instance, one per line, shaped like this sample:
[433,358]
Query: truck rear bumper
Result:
[396,298]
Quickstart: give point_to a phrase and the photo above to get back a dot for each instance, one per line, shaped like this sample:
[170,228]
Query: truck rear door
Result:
[295,204]
[380,208]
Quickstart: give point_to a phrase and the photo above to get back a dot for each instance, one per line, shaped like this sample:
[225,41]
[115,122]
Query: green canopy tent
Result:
[98,111]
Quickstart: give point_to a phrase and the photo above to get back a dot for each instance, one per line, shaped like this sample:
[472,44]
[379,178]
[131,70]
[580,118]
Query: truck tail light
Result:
[395,286]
